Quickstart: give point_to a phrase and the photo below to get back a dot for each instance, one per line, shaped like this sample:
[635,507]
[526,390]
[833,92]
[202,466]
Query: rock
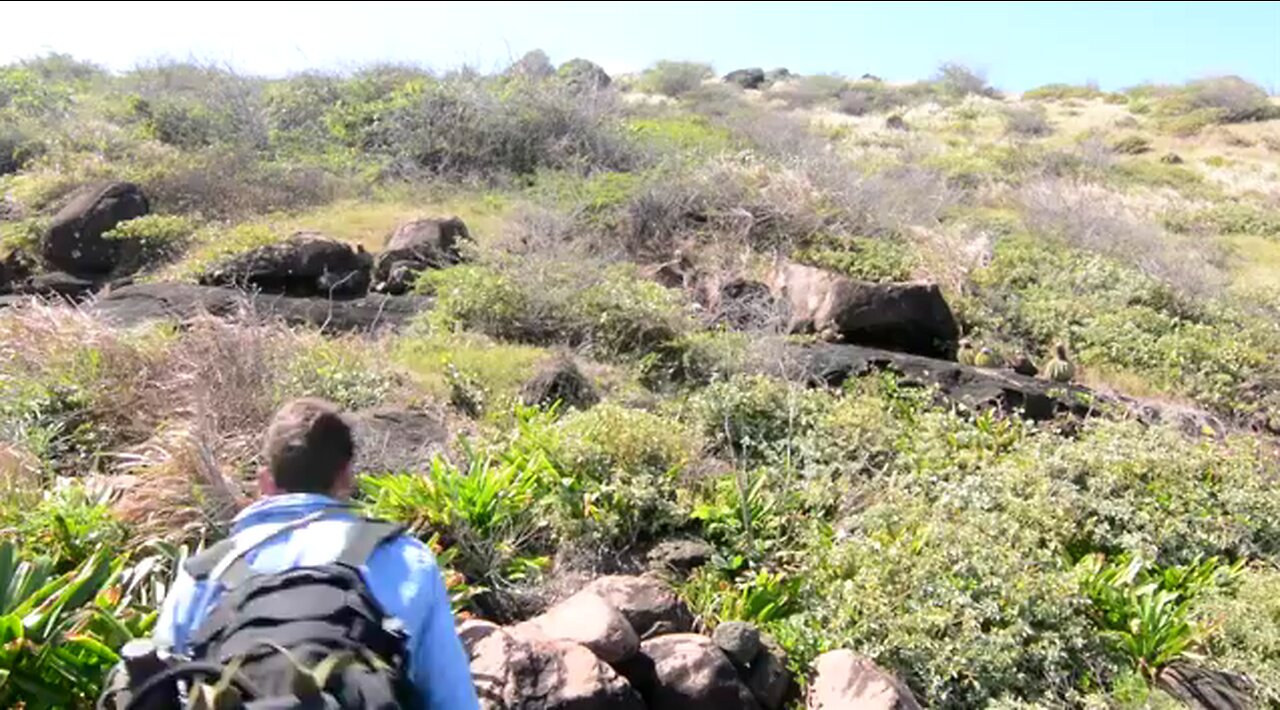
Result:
[14,270]
[739,640]
[647,603]
[871,77]
[306,264]
[587,619]
[907,317]
[746,78]
[1022,365]
[561,381]
[681,556]
[1171,159]
[416,246]
[829,365]
[514,672]
[680,671]
[397,439]
[896,123]
[584,75]
[139,303]
[767,678]
[1206,688]
[57,283]
[74,242]
[843,680]
[472,631]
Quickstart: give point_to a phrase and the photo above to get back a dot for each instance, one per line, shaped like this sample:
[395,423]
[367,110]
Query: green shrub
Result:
[65,524]
[809,91]
[156,237]
[1246,621]
[1227,218]
[613,310]
[1063,92]
[1030,122]
[1148,611]
[862,258]
[337,372]
[673,78]
[954,82]
[1132,145]
[1147,173]
[441,363]
[681,135]
[490,513]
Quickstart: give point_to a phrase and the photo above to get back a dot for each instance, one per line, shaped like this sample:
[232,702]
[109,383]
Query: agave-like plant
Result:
[59,634]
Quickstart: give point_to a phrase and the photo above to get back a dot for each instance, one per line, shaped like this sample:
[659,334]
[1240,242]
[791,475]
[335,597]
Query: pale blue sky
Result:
[1019,45]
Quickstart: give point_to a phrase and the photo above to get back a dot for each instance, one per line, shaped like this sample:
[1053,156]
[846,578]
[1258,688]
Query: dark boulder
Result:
[416,246]
[739,640]
[398,439]
[907,317]
[75,244]
[560,381]
[680,556]
[516,671]
[896,123]
[751,78]
[687,671]
[306,264]
[139,303]
[14,270]
[1207,688]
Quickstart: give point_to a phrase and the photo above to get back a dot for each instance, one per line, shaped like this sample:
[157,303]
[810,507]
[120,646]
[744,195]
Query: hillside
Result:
[589,324]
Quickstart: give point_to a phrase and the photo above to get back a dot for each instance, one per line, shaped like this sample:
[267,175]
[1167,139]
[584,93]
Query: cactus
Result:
[965,355]
[1059,368]
[987,357]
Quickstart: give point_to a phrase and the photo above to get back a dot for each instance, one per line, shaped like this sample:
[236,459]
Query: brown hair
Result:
[308,446]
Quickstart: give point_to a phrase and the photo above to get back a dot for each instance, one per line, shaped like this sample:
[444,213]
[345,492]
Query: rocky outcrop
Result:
[560,380]
[306,264]
[687,672]
[751,78]
[138,303]
[74,242]
[1207,688]
[587,619]
[739,640]
[414,247]
[906,317]
[513,671]
[648,604]
[844,680]
[398,439]
[680,556]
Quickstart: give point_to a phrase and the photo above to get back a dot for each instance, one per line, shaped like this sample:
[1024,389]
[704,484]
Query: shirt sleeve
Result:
[439,664]
[173,627]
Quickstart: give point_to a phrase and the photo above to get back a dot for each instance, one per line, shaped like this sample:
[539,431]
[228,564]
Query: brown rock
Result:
[647,603]
[560,380]
[844,680]
[904,317]
[767,677]
[680,671]
[306,264]
[74,243]
[513,672]
[587,619]
[416,246]
[1206,688]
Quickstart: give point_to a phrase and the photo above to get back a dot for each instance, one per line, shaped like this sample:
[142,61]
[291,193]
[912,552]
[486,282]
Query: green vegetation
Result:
[988,560]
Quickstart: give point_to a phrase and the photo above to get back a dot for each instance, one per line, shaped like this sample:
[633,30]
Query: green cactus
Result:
[987,357]
[965,355]
[1059,368]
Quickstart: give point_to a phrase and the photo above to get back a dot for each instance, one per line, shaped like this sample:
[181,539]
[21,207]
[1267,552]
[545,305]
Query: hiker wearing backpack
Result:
[307,602]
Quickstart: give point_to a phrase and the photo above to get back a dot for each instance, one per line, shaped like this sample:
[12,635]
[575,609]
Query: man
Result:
[302,522]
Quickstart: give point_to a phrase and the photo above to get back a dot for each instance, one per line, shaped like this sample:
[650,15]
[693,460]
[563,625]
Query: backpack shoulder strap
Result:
[366,535]
[202,564]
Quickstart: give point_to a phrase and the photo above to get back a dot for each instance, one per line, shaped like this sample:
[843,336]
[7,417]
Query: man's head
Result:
[309,449]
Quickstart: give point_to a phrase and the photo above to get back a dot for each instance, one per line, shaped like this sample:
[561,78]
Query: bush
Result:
[156,238]
[337,371]
[673,78]
[1026,121]
[612,311]
[1246,620]
[808,91]
[955,81]
[884,259]
[1227,218]
[1132,145]
[1063,92]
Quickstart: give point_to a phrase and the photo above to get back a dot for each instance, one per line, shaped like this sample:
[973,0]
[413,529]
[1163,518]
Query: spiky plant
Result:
[1059,368]
[987,357]
[966,354]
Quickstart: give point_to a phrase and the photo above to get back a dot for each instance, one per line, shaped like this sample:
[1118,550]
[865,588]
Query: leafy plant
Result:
[1148,610]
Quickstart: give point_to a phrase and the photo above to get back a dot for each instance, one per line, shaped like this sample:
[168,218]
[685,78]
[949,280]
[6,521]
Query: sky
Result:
[1018,45]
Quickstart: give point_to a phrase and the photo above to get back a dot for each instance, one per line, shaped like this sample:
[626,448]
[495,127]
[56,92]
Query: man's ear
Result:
[345,486]
[266,484]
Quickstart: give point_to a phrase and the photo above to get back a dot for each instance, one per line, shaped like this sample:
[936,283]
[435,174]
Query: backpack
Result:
[308,637]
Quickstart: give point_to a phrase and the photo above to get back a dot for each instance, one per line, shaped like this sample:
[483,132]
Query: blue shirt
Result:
[402,576]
